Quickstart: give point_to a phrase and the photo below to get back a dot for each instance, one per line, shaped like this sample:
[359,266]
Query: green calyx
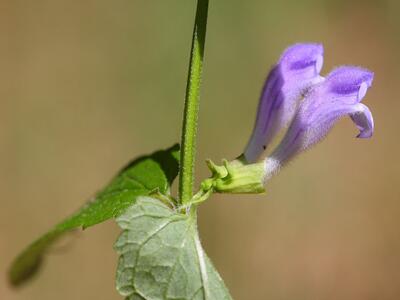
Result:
[235,177]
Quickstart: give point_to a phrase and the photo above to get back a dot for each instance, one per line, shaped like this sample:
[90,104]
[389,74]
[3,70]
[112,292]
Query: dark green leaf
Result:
[142,176]
[161,256]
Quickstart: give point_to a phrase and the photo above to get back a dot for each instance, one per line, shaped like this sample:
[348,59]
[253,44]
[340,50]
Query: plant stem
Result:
[189,128]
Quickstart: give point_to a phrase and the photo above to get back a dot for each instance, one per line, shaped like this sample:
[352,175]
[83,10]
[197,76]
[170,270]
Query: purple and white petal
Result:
[339,95]
[297,70]
[364,121]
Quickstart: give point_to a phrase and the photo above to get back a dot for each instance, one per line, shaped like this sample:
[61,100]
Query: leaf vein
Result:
[176,261]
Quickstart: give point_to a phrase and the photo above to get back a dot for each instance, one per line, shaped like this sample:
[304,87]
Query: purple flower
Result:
[338,95]
[296,71]
[297,97]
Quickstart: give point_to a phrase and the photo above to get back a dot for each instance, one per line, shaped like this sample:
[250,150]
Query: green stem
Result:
[189,129]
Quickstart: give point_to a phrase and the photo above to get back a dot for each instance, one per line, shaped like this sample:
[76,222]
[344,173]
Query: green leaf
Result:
[161,256]
[143,176]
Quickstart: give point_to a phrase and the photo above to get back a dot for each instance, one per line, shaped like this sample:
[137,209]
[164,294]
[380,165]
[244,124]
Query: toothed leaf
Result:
[142,176]
[161,257]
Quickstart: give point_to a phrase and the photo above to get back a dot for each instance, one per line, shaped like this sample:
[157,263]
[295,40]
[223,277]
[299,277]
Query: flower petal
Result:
[364,121]
[349,80]
[339,95]
[297,70]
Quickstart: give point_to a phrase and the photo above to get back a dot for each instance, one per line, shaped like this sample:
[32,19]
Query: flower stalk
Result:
[189,128]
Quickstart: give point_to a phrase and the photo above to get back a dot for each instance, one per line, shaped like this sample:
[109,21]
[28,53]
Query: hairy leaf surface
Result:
[161,256]
[147,174]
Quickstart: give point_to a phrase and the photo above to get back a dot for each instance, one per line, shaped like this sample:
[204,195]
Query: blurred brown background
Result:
[88,85]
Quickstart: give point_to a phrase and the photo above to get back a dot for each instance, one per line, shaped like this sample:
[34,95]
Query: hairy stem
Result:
[189,128]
